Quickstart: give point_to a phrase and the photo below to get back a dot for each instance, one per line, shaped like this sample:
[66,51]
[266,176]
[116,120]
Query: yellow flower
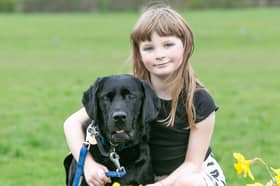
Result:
[243,165]
[116,184]
[277,177]
[255,184]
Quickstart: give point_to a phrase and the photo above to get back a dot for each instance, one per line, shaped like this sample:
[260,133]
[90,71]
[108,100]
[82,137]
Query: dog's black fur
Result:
[122,106]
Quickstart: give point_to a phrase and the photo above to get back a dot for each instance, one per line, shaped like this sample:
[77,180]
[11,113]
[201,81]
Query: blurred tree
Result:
[231,3]
[7,5]
[90,5]
[124,5]
[56,5]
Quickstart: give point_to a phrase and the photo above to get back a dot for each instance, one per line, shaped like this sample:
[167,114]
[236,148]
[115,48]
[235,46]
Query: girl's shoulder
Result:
[204,104]
[201,93]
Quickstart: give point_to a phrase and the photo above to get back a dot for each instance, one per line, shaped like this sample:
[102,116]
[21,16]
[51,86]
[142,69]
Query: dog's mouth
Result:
[119,131]
[120,136]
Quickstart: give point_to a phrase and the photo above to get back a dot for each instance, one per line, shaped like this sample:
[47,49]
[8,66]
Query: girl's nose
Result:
[159,54]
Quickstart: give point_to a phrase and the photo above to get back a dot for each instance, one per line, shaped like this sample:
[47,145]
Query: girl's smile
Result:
[161,64]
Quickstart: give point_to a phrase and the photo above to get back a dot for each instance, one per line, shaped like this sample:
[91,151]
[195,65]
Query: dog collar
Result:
[94,137]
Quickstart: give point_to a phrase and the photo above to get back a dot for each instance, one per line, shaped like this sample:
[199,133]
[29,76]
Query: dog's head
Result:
[122,106]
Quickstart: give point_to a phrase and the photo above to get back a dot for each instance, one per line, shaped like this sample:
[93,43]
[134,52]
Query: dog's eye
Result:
[105,98]
[131,96]
[108,96]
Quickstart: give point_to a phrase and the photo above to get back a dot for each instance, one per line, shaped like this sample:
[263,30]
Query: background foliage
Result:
[48,60]
[123,5]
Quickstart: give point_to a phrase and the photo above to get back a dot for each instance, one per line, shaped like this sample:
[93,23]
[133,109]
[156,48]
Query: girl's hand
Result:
[155,184]
[95,173]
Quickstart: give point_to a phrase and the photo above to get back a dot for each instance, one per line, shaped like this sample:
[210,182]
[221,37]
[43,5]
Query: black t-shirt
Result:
[169,144]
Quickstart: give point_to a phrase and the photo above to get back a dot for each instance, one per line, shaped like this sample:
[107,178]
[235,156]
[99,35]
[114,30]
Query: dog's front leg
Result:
[144,172]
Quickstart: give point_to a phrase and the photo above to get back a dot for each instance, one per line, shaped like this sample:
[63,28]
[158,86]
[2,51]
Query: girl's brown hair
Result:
[167,22]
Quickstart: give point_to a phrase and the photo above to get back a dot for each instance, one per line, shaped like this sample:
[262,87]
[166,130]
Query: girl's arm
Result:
[73,131]
[94,172]
[199,142]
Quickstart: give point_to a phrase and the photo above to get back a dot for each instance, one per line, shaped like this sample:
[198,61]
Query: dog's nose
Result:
[119,116]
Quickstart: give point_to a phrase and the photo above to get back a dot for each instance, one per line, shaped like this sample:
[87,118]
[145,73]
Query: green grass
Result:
[48,60]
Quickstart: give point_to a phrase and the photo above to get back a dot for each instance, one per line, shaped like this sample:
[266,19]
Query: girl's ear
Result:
[90,101]
[151,104]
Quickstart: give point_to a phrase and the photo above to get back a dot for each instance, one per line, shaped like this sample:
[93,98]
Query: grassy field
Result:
[48,60]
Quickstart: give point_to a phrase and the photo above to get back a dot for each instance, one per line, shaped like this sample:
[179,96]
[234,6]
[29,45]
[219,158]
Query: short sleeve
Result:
[204,104]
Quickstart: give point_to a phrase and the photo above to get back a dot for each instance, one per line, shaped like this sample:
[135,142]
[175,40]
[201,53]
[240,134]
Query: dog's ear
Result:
[89,99]
[151,104]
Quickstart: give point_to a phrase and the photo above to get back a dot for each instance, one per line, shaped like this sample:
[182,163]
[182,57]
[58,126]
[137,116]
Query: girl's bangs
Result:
[162,25]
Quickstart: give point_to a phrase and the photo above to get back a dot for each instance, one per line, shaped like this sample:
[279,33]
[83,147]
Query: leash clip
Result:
[115,158]
[86,144]
[92,133]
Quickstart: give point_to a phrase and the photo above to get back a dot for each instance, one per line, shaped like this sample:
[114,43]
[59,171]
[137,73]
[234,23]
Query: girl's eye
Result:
[167,45]
[147,48]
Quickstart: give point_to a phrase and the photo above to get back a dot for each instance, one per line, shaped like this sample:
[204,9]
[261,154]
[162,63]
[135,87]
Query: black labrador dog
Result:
[122,107]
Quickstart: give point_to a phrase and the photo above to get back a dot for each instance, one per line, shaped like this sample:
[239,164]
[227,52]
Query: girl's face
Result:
[162,56]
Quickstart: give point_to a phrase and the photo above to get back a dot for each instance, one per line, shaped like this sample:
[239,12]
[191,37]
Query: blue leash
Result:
[92,133]
[115,174]
[80,167]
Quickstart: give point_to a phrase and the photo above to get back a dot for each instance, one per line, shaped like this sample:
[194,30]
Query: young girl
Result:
[162,43]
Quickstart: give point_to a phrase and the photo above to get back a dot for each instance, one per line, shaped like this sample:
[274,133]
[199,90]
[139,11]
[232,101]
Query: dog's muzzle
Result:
[120,136]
